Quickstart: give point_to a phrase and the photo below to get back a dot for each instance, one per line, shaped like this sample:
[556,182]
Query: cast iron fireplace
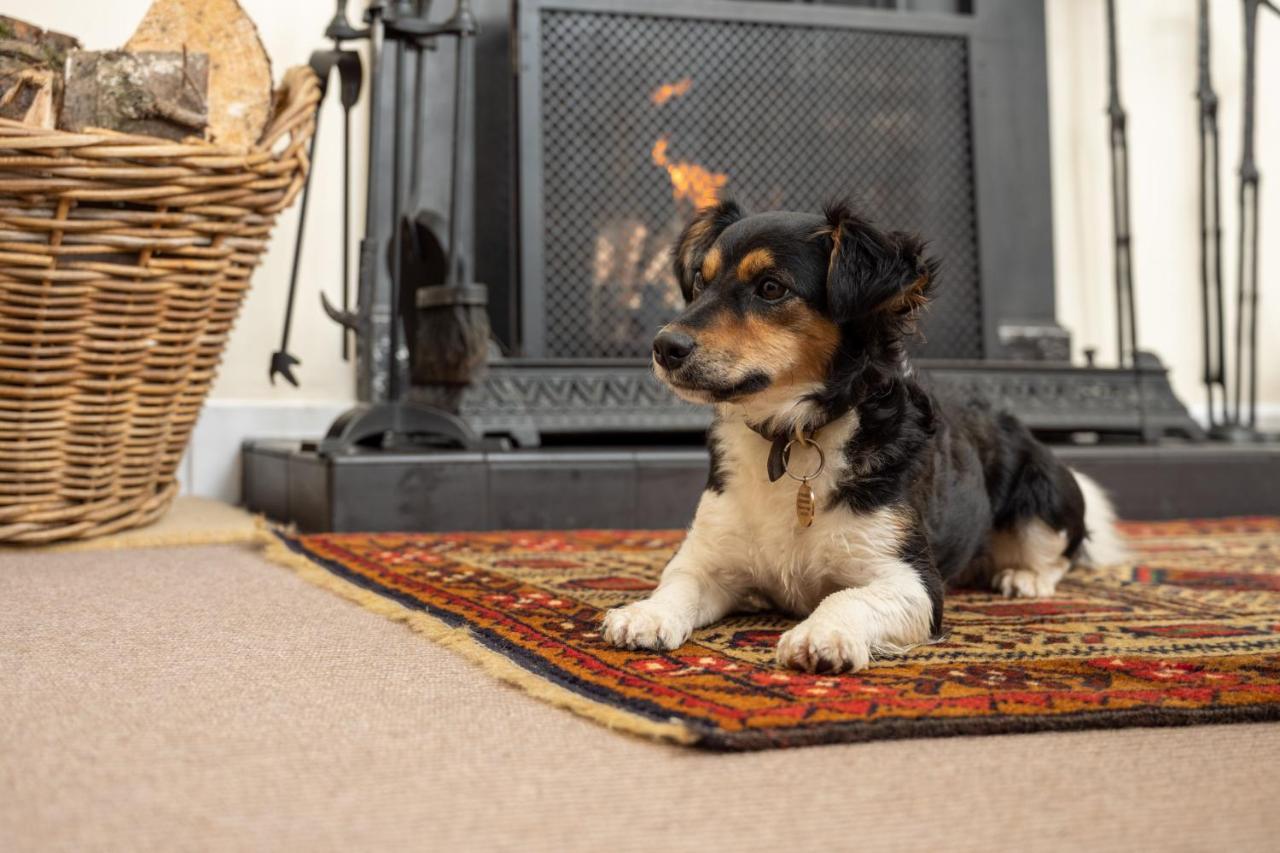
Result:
[605,123]
[600,125]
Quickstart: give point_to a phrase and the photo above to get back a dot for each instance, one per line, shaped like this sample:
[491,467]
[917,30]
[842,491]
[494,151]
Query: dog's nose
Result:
[670,348]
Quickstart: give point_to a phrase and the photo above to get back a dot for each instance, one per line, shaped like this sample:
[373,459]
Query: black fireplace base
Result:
[604,444]
[648,488]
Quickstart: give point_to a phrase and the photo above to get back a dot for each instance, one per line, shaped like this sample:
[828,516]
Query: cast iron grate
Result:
[789,115]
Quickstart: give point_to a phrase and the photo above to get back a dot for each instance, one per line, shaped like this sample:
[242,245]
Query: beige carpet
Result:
[189,521]
[200,698]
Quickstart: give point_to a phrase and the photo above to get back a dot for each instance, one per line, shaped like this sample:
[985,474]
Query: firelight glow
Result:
[689,181]
[667,91]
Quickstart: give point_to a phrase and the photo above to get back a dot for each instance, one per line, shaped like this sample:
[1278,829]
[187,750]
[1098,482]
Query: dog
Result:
[841,490]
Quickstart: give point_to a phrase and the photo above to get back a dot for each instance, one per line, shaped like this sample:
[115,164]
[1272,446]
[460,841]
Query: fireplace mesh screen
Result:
[645,117]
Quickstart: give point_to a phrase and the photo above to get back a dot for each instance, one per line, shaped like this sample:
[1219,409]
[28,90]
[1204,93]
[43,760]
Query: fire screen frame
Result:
[1009,125]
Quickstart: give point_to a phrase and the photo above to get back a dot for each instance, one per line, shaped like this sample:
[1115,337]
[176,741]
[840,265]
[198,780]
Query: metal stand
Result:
[1212,334]
[1126,321]
[400,34]
[1241,422]
[1127,351]
[395,424]
[1235,420]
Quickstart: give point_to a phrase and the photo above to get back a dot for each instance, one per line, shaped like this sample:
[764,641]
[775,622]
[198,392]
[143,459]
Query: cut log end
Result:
[240,71]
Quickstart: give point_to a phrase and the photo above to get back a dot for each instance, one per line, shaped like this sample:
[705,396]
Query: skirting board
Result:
[211,466]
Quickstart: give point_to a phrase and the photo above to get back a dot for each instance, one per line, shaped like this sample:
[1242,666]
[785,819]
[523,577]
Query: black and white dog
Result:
[842,491]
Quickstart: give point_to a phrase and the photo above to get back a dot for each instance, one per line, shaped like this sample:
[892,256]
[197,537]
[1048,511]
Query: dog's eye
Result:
[770,290]
[697,284]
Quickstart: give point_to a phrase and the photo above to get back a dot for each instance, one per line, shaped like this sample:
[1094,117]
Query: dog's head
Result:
[783,307]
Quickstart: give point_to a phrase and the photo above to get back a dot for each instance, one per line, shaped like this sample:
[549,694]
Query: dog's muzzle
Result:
[671,348]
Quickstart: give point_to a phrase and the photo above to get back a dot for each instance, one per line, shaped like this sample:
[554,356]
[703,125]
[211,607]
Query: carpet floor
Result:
[200,698]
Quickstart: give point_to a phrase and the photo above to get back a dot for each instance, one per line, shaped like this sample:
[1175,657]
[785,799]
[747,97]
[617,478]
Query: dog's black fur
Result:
[962,469]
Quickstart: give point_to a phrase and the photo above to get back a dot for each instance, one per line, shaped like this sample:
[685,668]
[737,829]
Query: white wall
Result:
[1157,53]
[1157,45]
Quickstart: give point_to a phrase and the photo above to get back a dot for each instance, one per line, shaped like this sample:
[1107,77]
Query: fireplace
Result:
[600,126]
[623,116]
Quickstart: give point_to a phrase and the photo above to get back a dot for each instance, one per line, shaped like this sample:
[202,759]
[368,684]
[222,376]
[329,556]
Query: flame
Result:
[689,181]
[667,91]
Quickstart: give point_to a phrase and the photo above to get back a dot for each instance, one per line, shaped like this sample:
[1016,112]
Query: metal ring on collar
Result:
[786,459]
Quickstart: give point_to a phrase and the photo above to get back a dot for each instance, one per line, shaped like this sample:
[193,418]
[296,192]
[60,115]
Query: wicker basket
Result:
[123,263]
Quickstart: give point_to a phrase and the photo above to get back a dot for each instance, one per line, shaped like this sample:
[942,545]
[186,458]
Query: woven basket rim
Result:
[16,136]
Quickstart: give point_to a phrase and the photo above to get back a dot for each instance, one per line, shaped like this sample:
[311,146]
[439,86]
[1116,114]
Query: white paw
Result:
[817,645]
[646,625]
[1023,583]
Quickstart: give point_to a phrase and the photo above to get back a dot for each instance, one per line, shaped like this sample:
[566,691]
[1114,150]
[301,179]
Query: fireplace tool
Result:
[1211,298]
[1234,416]
[324,63]
[445,320]
[1241,421]
[1126,313]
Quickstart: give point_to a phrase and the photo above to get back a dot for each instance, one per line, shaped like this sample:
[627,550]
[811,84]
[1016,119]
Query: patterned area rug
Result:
[1190,633]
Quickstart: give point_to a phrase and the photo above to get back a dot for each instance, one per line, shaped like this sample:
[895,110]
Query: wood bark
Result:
[31,62]
[150,93]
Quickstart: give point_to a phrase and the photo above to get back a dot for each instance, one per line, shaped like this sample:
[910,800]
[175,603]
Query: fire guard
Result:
[630,115]
[646,117]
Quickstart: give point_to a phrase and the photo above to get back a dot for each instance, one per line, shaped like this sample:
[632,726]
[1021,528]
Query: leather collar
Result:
[776,465]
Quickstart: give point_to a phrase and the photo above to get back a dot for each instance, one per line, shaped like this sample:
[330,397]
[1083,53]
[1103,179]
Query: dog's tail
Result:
[1103,544]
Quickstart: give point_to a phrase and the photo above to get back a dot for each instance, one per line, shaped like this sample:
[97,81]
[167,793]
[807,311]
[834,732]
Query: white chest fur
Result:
[750,537]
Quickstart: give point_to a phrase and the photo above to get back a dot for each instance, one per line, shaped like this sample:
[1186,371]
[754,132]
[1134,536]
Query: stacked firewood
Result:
[192,69]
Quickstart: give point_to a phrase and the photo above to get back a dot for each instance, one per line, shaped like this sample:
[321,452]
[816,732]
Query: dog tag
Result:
[804,505]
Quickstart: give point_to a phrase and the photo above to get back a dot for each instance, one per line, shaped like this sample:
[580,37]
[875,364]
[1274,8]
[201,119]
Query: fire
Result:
[689,181]
[667,91]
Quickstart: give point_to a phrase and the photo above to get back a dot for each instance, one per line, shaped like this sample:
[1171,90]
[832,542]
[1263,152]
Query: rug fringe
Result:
[463,642]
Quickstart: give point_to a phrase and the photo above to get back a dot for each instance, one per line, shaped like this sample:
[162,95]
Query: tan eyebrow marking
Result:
[711,264]
[754,262]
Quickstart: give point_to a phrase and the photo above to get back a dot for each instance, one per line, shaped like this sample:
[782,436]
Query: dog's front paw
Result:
[1023,583]
[646,625]
[819,645]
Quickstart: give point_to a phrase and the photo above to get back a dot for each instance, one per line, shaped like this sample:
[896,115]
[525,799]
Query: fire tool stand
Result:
[386,314]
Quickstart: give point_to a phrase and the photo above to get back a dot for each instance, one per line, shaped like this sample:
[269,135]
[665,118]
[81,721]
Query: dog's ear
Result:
[697,237]
[871,272]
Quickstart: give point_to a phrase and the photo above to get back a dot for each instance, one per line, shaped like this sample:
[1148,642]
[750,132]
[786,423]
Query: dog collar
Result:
[779,464]
[780,442]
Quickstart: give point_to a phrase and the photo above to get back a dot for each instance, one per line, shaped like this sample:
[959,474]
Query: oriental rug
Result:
[1188,632]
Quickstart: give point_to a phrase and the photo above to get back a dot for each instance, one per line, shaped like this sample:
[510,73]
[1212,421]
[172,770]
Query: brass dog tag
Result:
[804,505]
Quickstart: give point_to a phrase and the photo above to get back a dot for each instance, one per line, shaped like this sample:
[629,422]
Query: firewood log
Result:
[31,62]
[150,93]
[239,70]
